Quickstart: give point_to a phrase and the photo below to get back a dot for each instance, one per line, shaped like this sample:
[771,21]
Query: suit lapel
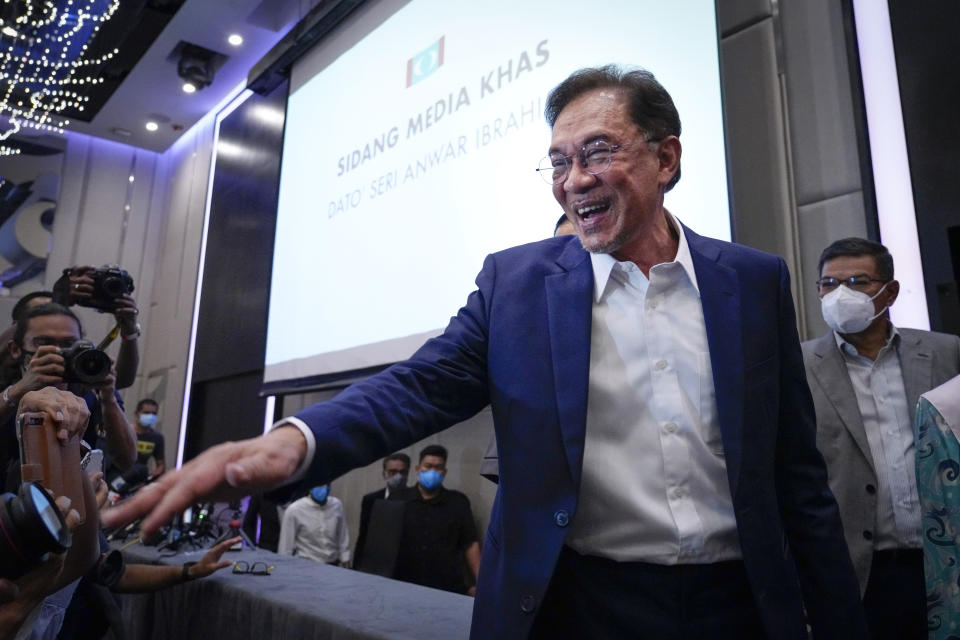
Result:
[916,363]
[720,300]
[569,317]
[832,376]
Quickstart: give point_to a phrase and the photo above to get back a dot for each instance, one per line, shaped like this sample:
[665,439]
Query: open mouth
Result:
[586,210]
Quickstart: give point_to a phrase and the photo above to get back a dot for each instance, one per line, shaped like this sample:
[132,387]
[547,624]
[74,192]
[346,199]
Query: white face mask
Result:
[849,311]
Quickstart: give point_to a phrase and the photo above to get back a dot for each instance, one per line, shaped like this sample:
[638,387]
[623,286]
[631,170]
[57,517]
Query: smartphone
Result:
[43,458]
[92,462]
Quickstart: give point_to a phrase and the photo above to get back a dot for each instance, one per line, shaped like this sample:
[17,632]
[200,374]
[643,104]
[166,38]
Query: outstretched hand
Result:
[224,472]
[211,561]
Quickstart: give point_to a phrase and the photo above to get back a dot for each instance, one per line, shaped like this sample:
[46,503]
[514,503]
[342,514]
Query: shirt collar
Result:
[603,263]
[850,350]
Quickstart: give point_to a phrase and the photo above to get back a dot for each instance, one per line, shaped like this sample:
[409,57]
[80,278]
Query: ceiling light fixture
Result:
[188,87]
[235,39]
[44,64]
[151,125]
[196,65]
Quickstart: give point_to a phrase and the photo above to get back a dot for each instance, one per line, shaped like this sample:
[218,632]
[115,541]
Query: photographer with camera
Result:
[50,352]
[106,289]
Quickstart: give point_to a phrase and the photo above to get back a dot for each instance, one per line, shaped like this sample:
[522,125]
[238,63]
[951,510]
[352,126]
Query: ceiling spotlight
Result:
[235,39]
[9,31]
[188,87]
[152,126]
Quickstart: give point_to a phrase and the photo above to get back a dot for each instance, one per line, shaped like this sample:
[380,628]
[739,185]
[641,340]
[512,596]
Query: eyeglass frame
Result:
[850,282]
[249,570]
[581,155]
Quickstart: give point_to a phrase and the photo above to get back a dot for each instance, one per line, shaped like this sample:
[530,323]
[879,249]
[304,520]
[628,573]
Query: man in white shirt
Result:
[866,376]
[314,527]
[658,469]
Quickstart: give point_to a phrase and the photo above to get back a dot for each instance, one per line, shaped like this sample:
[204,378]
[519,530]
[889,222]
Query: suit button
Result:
[528,603]
[868,535]
[871,489]
[561,518]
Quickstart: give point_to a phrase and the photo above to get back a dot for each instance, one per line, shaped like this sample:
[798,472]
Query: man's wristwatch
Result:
[6,398]
[131,336]
[185,574]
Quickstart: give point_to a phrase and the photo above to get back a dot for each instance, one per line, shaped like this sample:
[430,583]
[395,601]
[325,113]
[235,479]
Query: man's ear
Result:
[13,349]
[891,292]
[668,153]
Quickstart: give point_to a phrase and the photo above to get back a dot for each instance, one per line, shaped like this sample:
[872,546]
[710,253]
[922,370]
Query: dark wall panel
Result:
[224,409]
[232,325]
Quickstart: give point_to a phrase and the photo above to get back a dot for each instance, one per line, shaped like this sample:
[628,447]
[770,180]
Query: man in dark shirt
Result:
[439,533]
[150,462]
[396,469]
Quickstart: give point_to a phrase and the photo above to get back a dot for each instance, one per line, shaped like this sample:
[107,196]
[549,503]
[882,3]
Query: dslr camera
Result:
[34,528]
[109,283]
[83,362]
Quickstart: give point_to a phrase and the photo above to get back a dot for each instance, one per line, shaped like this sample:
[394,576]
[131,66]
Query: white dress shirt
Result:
[882,400]
[654,485]
[315,531]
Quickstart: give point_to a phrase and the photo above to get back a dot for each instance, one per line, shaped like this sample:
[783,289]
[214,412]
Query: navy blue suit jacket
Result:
[522,344]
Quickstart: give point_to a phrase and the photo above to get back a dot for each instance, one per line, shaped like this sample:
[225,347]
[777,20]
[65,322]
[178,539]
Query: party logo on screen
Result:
[425,63]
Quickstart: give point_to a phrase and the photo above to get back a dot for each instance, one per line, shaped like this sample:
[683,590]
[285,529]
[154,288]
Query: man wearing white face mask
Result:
[866,376]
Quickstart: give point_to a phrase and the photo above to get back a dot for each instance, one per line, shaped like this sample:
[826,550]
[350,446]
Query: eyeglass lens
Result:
[595,158]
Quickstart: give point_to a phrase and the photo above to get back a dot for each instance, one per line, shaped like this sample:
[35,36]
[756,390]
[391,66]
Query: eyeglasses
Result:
[858,282]
[255,569]
[595,158]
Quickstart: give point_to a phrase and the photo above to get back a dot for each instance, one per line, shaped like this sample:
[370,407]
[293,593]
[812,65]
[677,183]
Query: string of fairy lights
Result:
[44,64]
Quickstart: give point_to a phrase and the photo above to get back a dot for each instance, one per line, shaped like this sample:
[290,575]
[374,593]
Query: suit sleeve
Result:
[443,383]
[808,509]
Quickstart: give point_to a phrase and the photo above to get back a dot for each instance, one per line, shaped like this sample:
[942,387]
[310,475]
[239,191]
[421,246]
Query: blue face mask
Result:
[147,419]
[431,479]
[320,493]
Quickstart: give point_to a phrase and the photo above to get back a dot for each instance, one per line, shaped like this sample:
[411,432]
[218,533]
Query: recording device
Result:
[44,459]
[83,362]
[33,528]
[92,462]
[109,283]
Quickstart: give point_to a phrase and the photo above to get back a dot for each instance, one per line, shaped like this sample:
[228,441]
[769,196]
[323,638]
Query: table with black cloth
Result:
[301,599]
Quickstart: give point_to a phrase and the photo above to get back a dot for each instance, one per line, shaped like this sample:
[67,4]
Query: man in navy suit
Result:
[658,469]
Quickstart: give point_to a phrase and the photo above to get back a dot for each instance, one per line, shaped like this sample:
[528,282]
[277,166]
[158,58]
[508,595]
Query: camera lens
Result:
[85,363]
[92,365]
[113,286]
[31,527]
[48,512]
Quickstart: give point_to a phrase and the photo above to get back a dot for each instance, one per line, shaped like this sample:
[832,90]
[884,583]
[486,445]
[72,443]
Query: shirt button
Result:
[868,535]
[676,493]
[561,518]
[652,305]
[527,603]
[671,427]
[661,365]
[871,489]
